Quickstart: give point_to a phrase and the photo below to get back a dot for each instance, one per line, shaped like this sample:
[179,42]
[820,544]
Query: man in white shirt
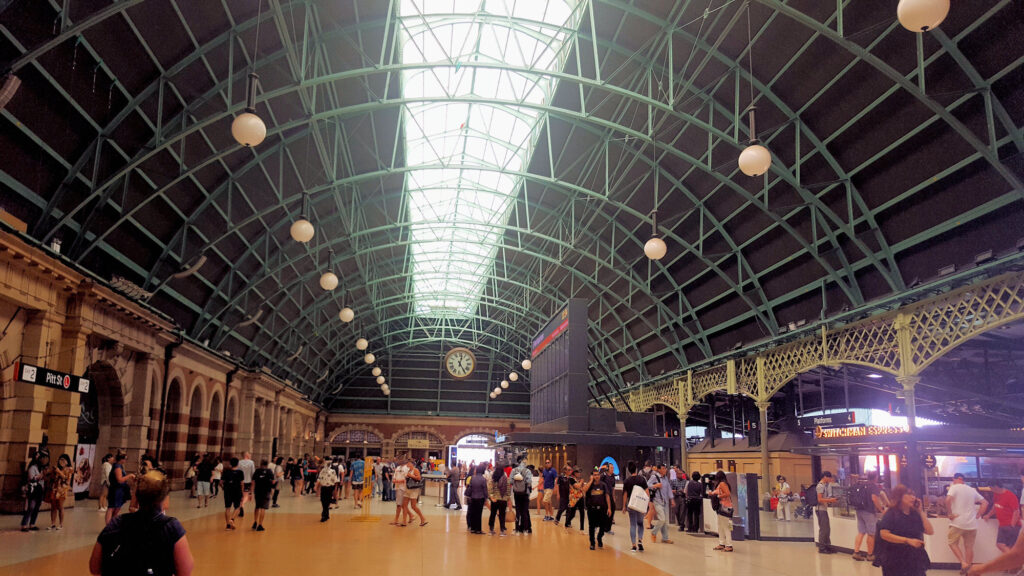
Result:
[963,502]
[248,467]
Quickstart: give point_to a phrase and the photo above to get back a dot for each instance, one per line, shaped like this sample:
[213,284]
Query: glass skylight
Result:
[468,133]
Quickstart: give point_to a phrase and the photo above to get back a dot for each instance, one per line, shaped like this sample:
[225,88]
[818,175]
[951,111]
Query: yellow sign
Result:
[859,431]
[367,477]
[419,443]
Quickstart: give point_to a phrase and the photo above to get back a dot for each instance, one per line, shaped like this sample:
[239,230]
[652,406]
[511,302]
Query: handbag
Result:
[639,500]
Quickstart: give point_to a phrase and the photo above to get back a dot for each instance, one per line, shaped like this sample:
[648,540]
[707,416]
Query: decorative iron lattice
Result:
[902,342]
[938,326]
[665,392]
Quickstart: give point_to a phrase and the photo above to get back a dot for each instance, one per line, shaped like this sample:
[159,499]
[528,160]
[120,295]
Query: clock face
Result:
[460,362]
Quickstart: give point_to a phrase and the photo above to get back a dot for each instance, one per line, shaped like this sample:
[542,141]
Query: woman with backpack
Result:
[147,541]
[723,492]
[498,493]
[33,490]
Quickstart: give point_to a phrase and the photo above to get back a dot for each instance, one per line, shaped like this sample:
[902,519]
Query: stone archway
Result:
[104,404]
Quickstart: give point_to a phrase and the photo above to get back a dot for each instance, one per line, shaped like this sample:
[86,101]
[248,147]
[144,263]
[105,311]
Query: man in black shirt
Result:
[231,483]
[599,506]
[263,481]
[562,487]
[694,502]
[608,477]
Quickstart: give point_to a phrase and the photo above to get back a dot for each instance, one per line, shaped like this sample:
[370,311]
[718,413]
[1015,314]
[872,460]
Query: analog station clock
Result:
[460,362]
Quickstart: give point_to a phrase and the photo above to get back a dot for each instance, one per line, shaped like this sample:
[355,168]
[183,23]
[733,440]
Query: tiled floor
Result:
[295,539]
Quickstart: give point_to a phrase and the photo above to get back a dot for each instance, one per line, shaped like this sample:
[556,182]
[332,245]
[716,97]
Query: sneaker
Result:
[253,525]
[640,547]
[600,544]
[276,506]
[591,546]
[859,556]
[260,528]
[610,533]
[632,548]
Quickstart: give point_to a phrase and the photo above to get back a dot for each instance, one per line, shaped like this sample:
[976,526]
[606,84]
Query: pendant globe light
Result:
[346,315]
[497,391]
[369,358]
[512,376]
[493,395]
[527,364]
[362,344]
[922,15]
[247,128]
[376,371]
[504,384]
[302,230]
[380,380]
[655,248]
[387,392]
[329,280]
[383,387]
[755,159]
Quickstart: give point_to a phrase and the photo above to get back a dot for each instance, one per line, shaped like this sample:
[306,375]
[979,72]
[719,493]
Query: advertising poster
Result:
[83,467]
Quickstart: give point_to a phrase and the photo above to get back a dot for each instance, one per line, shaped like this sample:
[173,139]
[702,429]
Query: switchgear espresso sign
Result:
[51,378]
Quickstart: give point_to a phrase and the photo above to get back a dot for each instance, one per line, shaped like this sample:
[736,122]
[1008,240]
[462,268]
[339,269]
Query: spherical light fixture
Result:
[493,395]
[383,387]
[527,364]
[302,230]
[921,15]
[369,358]
[504,384]
[655,249]
[512,376]
[248,129]
[328,281]
[362,344]
[380,380]
[347,315]
[496,391]
[755,160]
[376,371]
[387,392]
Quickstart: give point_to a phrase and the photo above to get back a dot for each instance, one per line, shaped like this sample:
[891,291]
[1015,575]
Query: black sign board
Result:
[51,378]
[929,461]
[828,420]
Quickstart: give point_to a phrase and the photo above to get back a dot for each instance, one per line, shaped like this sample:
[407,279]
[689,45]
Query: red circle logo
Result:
[67,382]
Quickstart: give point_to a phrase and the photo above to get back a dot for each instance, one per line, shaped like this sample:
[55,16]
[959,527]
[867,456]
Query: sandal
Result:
[719,547]
[728,548]
[422,524]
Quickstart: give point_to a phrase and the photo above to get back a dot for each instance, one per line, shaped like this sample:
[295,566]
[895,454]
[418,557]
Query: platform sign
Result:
[860,431]
[828,420]
[51,378]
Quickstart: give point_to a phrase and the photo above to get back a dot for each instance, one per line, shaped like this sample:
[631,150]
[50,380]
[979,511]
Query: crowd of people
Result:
[891,525]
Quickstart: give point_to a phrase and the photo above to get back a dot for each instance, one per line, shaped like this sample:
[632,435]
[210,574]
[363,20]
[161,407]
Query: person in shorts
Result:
[549,476]
[867,520]
[231,485]
[264,479]
[204,476]
[964,502]
[1006,508]
[356,471]
[247,467]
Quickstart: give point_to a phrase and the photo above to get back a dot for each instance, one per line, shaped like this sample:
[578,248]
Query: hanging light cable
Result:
[655,248]
[247,128]
[755,159]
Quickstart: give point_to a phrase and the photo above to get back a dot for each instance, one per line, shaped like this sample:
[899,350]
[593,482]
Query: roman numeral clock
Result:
[460,362]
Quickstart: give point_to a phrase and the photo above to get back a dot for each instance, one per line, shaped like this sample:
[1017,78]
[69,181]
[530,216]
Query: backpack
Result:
[129,550]
[860,497]
[518,483]
[811,496]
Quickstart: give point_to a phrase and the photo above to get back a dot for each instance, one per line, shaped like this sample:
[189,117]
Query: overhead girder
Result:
[1016,134]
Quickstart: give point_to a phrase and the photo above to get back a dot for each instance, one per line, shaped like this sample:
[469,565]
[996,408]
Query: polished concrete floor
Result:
[363,539]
